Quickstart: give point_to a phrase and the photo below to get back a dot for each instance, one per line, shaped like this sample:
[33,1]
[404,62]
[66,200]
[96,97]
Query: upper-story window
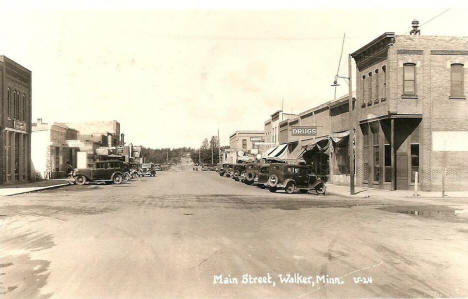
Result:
[8,101]
[369,86]
[384,87]
[377,91]
[456,80]
[363,86]
[244,144]
[409,79]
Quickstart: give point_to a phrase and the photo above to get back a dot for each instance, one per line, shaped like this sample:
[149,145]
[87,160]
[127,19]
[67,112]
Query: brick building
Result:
[412,111]
[327,149]
[410,114]
[15,122]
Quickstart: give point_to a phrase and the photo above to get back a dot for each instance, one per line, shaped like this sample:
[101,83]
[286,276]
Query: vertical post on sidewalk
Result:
[416,182]
[444,171]
[212,151]
[351,129]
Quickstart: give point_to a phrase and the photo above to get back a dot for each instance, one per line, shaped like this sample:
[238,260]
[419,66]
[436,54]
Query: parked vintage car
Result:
[251,172]
[292,177]
[262,176]
[229,170]
[147,169]
[238,169]
[102,171]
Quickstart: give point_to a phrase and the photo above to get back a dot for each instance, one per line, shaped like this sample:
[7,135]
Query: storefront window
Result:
[414,160]
[388,163]
[365,135]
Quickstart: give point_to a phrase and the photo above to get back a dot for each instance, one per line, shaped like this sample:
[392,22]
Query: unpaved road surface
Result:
[173,236]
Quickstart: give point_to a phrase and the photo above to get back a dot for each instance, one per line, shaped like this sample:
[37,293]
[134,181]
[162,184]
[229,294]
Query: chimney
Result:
[415,30]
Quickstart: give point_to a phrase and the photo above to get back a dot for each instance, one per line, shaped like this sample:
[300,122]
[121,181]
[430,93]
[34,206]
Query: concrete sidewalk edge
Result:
[39,189]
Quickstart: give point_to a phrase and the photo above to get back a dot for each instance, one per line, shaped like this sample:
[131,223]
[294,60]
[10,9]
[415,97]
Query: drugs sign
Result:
[304,131]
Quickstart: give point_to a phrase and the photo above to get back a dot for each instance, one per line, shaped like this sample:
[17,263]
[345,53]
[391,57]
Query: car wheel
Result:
[273,180]
[321,190]
[117,179]
[290,188]
[80,180]
[272,189]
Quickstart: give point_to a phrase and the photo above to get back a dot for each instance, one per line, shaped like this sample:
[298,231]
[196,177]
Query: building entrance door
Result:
[17,157]
[402,171]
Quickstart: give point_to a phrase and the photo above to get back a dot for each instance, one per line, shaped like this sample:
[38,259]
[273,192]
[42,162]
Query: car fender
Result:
[287,181]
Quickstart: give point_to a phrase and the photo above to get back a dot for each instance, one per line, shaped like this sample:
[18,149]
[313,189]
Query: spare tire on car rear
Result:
[273,180]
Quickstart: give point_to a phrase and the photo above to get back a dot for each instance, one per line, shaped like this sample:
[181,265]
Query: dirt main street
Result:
[187,234]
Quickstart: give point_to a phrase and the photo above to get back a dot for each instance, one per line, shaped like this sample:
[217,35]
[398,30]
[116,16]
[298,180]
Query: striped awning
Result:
[278,152]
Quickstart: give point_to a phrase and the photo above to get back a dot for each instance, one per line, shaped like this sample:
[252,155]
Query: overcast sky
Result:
[172,78]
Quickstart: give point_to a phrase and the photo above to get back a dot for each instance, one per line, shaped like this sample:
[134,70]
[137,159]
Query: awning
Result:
[278,152]
[320,145]
[339,138]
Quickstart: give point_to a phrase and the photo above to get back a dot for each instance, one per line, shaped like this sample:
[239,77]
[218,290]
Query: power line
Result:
[432,19]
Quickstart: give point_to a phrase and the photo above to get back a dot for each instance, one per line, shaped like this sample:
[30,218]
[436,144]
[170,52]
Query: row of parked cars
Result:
[112,171]
[276,175]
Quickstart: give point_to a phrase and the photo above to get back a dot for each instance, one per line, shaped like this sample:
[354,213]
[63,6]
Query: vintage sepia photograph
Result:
[233,149]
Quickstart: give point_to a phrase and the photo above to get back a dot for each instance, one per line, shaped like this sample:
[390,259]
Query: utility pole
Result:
[351,130]
[167,157]
[212,150]
[199,155]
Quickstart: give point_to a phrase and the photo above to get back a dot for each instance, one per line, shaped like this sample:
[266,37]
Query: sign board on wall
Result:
[304,131]
[450,141]
[256,139]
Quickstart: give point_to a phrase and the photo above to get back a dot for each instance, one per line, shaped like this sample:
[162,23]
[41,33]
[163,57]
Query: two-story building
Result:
[412,112]
[243,143]
[15,122]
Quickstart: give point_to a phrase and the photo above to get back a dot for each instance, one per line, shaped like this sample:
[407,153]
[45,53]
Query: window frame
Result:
[413,65]
[384,85]
[461,95]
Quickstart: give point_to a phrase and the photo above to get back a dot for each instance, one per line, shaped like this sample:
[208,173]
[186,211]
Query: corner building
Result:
[411,112]
[15,122]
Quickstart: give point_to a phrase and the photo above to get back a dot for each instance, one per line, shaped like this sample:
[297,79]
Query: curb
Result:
[40,189]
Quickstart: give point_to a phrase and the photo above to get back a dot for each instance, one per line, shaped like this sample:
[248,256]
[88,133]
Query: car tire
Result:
[321,190]
[290,188]
[117,178]
[272,189]
[273,180]
[80,180]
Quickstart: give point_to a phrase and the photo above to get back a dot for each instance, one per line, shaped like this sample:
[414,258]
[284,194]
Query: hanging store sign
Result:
[304,131]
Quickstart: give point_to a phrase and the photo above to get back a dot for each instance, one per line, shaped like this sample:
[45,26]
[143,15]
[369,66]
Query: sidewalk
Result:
[8,190]
[365,192]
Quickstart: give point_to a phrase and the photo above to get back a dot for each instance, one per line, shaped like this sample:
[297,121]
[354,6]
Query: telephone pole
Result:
[212,150]
[351,130]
